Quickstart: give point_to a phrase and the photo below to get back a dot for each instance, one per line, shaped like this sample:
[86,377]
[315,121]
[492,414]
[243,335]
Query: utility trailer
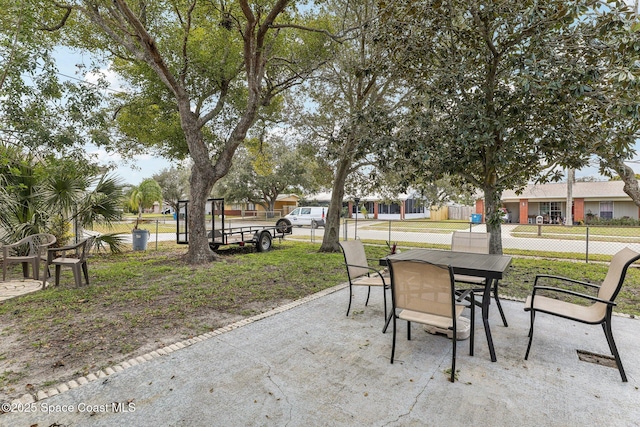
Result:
[220,235]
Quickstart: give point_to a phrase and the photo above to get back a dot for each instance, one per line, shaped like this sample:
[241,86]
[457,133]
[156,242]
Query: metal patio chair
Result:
[425,293]
[594,310]
[360,274]
[465,241]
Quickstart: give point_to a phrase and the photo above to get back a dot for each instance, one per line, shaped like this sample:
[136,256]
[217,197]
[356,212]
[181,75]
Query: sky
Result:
[144,166]
[131,172]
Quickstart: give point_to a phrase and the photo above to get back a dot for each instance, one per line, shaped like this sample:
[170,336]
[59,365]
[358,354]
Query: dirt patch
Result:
[138,303]
[43,361]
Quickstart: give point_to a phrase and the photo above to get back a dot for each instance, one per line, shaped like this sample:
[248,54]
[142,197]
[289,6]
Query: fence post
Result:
[389,232]
[345,227]
[587,246]
[157,234]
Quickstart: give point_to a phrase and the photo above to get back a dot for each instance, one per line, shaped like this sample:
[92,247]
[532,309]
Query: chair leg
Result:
[473,326]
[606,325]
[36,268]
[77,275]
[393,345]
[85,270]
[350,298]
[384,299]
[58,274]
[533,315]
[25,270]
[386,325]
[408,331]
[366,303]
[453,353]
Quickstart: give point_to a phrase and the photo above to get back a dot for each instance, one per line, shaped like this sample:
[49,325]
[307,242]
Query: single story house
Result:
[599,199]
[377,207]
[284,204]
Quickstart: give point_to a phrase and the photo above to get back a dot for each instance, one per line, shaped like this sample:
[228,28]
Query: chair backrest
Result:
[616,273]
[465,241]
[423,287]
[86,248]
[40,242]
[355,258]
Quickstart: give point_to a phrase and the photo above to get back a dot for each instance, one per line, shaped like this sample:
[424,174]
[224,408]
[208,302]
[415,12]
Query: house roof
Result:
[597,190]
[287,198]
[326,196]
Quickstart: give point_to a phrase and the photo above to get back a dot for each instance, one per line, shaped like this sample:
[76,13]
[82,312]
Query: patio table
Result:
[489,266]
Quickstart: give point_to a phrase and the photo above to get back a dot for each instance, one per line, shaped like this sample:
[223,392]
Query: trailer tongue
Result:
[219,235]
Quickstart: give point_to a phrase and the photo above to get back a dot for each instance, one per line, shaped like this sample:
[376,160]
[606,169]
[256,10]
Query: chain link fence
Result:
[580,242]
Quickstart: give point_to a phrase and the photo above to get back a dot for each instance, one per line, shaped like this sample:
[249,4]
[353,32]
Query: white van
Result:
[313,216]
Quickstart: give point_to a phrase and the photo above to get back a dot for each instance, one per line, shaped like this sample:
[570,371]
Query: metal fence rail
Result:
[577,242]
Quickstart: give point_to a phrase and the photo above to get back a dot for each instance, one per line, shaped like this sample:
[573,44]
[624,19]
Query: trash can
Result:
[476,218]
[139,239]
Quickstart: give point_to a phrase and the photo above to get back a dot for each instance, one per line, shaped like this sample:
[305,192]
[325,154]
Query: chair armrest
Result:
[378,272]
[569,292]
[51,252]
[461,298]
[564,279]
[20,242]
[5,248]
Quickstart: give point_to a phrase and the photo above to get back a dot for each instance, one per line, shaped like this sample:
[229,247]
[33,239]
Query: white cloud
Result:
[106,74]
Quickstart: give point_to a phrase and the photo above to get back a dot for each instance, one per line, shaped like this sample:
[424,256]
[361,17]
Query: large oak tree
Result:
[510,91]
[198,73]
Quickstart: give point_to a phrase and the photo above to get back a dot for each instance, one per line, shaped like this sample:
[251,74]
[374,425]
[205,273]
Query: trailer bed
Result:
[219,235]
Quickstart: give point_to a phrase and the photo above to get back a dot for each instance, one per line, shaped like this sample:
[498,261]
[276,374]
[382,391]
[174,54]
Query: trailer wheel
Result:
[283,226]
[314,223]
[264,242]
[214,246]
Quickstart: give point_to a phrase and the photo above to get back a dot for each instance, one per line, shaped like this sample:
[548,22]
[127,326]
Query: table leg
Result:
[486,300]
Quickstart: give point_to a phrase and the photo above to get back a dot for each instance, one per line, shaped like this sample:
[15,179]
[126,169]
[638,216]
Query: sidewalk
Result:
[309,365]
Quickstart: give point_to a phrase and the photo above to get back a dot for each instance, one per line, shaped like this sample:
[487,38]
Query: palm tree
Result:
[144,195]
[48,195]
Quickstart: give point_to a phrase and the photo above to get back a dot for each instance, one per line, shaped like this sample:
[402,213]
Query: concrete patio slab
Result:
[312,366]
[14,288]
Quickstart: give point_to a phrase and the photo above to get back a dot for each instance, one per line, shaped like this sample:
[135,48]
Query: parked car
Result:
[312,215]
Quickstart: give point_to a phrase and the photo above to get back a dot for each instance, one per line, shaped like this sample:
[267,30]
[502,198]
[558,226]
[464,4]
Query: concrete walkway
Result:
[307,364]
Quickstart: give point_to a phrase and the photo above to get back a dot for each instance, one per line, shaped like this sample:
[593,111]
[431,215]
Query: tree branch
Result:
[64,19]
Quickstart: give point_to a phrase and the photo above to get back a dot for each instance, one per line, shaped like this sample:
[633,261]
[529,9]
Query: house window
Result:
[414,206]
[551,212]
[606,210]
[392,208]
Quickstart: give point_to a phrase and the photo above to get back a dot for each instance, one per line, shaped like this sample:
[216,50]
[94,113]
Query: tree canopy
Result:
[509,91]
[198,73]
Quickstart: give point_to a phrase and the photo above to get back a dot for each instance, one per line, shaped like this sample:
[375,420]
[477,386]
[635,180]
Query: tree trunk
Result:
[199,250]
[571,177]
[493,218]
[630,182]
[332,220]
